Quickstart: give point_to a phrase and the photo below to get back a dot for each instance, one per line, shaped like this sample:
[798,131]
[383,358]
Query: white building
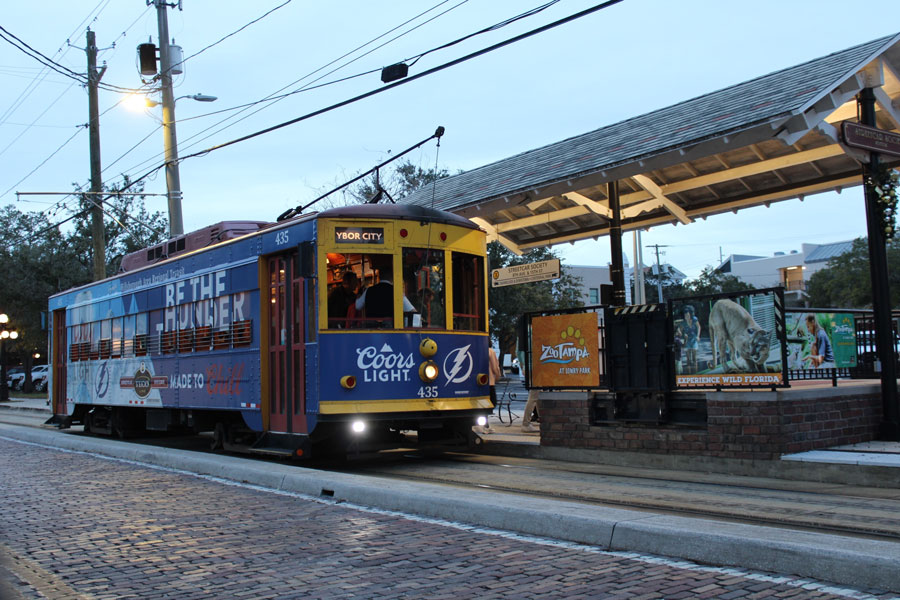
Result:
[591,280]
[791,270]
[594,277]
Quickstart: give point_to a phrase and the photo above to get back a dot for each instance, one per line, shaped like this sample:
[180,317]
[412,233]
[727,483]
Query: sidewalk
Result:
[33,404]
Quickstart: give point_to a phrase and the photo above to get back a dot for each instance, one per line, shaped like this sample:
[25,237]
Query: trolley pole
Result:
[881,298]
[98,238]
[173,179]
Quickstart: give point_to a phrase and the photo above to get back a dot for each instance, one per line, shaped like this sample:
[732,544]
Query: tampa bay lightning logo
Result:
[458,365]
[102,381]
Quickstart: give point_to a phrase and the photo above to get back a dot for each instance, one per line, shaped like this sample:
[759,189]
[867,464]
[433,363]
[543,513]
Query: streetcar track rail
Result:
[863,512]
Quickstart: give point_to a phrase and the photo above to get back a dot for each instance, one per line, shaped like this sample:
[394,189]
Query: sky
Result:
[632,58]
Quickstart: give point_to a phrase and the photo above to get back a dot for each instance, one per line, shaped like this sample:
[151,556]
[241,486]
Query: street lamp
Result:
[198,97]
[173,178]
[6,333]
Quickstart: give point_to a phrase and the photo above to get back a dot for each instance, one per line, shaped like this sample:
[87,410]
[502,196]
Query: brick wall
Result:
[740,424]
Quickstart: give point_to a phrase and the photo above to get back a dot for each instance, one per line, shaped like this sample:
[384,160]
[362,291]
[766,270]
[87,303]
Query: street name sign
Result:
[870,138]
[539,271]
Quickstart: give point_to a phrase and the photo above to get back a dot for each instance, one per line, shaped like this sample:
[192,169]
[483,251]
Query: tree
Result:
[670,288]
[710,282]
[128,227]
[39,259]
[508,303]
[847,282]
[399,183]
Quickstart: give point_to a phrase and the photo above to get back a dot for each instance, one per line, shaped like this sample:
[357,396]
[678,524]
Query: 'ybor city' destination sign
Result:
[358,235]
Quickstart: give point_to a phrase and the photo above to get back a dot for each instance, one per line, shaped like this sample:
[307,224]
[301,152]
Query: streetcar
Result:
[238,330]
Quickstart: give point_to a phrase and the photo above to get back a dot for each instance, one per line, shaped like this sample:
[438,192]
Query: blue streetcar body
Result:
[235,336]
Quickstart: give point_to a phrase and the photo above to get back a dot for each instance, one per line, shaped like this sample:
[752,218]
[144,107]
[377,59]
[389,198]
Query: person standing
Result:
[493,375]
[530,405]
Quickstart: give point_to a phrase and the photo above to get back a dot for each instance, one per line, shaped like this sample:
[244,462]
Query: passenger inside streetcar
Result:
[377,300]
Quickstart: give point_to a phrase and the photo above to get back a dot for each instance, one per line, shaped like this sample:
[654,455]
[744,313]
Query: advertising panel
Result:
[820,340]
[565,351]
[729,341]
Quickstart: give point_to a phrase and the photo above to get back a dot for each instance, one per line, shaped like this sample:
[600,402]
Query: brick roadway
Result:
[77,526]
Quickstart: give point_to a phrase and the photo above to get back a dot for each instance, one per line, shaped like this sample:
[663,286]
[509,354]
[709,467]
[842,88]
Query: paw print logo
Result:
[573,335]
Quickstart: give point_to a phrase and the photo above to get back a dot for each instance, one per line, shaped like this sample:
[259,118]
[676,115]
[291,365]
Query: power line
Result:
[237,31]
[410,79]
[393,85]
[271,98]
[49,62]
[80,129]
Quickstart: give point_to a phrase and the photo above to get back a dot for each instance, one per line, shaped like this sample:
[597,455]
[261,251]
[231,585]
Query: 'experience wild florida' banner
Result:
[565,351]
[729,341]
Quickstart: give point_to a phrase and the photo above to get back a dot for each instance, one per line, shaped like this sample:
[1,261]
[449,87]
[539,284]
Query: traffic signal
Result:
[147,58]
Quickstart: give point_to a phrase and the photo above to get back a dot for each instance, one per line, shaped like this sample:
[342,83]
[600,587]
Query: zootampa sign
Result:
[565,351]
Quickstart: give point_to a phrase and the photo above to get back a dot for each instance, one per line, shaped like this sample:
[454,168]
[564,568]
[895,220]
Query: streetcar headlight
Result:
[358,426]
[482,421]
[348,382]
[428,347]
[428,371]
[482,379]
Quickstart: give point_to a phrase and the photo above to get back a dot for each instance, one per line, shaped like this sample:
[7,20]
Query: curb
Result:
[839,559]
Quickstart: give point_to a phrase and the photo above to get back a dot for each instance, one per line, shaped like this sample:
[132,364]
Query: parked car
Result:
[37,374]
[10,375]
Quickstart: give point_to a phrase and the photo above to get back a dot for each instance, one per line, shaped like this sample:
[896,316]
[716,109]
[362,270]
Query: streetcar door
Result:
[60,357]
[287,398]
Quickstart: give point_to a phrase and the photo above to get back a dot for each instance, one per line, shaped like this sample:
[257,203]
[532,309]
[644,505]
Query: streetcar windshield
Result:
[423,280]
[361,291]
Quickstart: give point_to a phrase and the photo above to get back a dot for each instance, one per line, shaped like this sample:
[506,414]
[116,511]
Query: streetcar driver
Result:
[377,300]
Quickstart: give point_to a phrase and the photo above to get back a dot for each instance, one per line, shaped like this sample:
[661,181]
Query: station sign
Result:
[539,271]
[870,138]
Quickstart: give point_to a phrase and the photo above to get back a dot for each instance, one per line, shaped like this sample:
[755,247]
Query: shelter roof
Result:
[768,139]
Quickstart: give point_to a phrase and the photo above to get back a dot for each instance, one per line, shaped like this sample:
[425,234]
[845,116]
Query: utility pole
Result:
[658,271]
[97,234]
[637,270]
[173,179]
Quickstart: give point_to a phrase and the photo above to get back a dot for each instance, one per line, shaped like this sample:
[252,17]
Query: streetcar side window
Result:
[242,334]
[141,327]
[186,327]
[128,336]
[468,292]
[423,283]
[105,338]
[95,340]
[203,320]
[117,337]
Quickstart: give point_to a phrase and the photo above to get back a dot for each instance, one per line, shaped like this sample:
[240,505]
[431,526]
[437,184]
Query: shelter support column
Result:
[616,269]
[881,299]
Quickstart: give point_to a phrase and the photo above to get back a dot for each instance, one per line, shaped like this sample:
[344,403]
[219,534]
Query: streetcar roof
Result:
[397,211]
